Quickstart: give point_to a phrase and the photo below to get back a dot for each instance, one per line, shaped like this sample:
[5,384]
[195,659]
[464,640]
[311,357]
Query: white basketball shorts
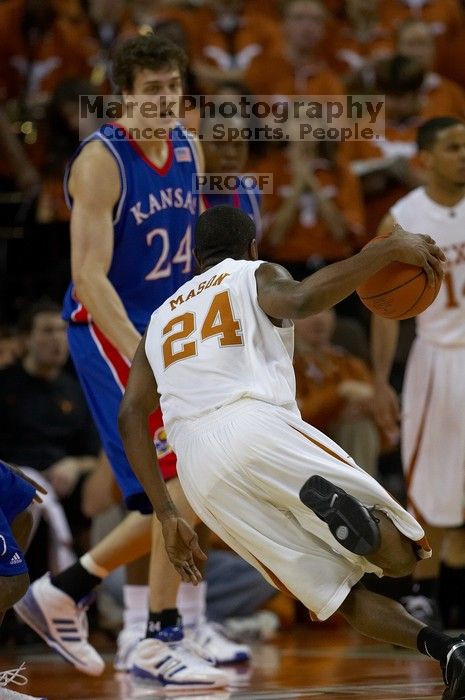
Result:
[433,433]
[242,468]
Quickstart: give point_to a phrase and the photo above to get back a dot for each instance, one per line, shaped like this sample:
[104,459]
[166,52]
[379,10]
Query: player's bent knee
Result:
[12,589]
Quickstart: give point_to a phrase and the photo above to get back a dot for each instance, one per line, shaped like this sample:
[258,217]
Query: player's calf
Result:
[12,589]
[396,555]
[21,528]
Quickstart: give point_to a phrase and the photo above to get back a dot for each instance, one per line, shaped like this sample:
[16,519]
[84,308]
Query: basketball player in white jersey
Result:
[432,434]
[217,356]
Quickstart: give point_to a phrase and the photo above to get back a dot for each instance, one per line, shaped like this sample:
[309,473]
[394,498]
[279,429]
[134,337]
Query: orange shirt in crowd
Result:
[399,141]
[447,21]
[318,376]
[349,54]
[309,235]
[445,16]
[65,50]
[450,59]
[277,76]
[442,97]
[257,35]
[264,8]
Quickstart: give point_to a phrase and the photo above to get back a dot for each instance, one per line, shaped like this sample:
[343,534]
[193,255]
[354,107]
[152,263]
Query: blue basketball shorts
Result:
[103,373]
[15,496]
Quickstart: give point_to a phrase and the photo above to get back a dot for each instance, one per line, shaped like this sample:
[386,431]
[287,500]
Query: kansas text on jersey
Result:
[153,223]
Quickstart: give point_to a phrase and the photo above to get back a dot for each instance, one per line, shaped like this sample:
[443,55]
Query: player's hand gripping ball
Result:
[398,290]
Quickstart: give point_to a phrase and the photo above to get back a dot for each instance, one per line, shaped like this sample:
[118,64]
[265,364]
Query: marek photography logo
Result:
[269,118]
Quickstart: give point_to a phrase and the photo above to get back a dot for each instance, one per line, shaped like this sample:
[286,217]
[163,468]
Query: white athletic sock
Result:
[89,564]
[192,603]
[136,605]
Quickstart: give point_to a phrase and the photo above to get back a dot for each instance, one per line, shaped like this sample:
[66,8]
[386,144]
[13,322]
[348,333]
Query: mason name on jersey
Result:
[212,282]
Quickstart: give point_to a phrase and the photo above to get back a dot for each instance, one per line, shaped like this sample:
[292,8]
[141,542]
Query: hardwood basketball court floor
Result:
[308,662]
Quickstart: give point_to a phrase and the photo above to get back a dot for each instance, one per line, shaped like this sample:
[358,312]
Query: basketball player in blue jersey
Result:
[17,492]
[133,212]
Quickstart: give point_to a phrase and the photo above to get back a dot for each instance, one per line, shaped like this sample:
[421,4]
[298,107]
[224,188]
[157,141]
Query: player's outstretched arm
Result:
[95,188]
[384,337]
[140,400]
[282,297]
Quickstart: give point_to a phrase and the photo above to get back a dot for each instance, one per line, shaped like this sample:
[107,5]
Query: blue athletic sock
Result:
[159,621]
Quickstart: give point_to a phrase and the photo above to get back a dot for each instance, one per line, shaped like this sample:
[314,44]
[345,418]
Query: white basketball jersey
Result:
[443,323]
[210,344]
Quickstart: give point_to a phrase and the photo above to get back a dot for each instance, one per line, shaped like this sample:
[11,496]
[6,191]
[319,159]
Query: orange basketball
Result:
[398,290]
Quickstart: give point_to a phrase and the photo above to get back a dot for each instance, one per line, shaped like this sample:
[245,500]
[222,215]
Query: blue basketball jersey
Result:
[248,200]
[153,224]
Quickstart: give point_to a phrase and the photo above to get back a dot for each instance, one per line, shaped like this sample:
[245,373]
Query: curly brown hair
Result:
[145,51]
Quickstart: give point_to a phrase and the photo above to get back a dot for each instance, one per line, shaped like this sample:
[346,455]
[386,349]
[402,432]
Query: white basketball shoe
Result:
[126,645]
[61,623]
[167,662]
[215,646]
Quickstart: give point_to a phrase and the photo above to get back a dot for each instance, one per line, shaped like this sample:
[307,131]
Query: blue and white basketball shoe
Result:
[168,662]
[61,623]
[214,645]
